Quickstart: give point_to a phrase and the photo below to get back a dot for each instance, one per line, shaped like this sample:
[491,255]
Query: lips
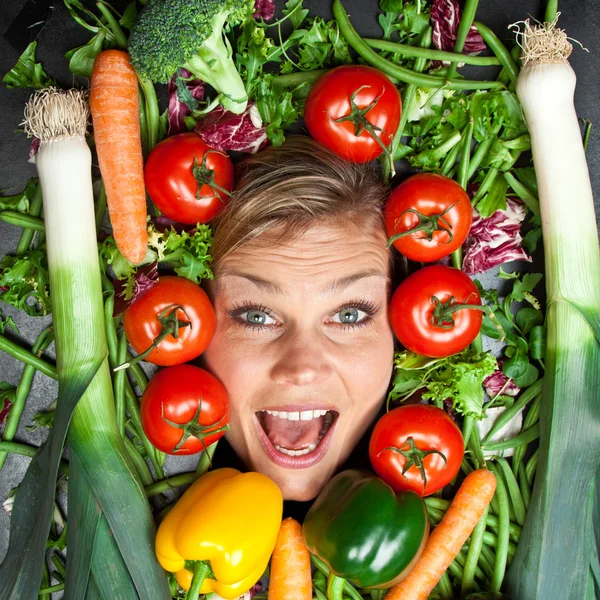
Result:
[295,438]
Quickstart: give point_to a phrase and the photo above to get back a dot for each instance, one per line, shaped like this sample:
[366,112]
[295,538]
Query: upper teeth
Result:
[305,415]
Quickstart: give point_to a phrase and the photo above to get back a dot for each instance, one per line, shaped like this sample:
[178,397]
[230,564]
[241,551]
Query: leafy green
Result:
[27,73]
[44,418]
[458,378]
[296,11]
[497,113]
[188,253]
[20,202]
[24,282]
[408,19]
[81,59]
[7,322]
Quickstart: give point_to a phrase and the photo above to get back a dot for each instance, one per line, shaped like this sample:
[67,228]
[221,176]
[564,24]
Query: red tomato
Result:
[142,325]
[195,403]
[172,185]
[429,195]
[416,430]
[330,99]
[417,315]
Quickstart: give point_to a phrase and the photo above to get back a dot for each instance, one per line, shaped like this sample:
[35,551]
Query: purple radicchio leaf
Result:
[445,18]
[33,149]
[265,9]
[224,130]
[495,240]
[163,223]
[257,588]
[184,95]
[6,406]
[144,279]
[499,383]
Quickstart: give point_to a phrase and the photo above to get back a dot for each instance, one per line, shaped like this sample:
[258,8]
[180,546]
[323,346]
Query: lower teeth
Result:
[311,447]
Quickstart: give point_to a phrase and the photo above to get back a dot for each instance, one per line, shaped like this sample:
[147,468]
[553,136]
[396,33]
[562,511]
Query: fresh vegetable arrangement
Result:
[498,392]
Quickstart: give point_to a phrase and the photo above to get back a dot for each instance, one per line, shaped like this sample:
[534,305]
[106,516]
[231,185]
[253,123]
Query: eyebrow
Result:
[333,287]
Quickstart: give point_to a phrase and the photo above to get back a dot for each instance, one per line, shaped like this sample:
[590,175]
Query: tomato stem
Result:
[414,457]
[442,313]
[358,117]
[194,428]
[428,224]
[205,176]
[170,325]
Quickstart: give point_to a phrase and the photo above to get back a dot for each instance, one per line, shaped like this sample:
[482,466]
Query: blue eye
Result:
[349,316]
[256,317]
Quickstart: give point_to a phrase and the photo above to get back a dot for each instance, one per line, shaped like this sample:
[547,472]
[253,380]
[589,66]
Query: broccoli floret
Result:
[170,34]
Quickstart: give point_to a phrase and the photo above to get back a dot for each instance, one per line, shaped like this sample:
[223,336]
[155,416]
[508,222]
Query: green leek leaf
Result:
[21,571]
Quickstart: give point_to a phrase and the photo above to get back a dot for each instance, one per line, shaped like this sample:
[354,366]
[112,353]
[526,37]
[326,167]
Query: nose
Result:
[302,359]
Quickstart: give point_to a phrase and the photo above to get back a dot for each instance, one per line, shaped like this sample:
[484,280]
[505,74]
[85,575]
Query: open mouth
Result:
[295,438]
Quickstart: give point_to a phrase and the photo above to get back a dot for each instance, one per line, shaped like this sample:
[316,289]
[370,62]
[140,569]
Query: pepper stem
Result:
[201,570]
[335,587]
[170,325]
[428,224]
[358,117]
[442,315]
[194,428]
[414,457]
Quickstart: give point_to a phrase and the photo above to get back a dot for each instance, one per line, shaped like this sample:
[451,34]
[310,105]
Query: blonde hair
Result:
[288,189]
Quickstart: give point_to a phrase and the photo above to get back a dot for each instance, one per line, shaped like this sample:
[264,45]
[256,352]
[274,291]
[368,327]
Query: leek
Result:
[556,557]
[103,475]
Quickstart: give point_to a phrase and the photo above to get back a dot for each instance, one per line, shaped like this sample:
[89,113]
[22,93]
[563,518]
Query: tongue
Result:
[292,435]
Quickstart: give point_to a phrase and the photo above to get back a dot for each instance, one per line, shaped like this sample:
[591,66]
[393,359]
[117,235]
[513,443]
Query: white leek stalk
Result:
[557,551]
[60,119]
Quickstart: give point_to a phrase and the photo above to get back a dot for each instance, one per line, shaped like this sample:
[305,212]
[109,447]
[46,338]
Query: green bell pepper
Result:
[364,531]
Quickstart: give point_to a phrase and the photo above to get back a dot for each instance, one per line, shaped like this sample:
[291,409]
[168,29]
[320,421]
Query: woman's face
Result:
[304,347]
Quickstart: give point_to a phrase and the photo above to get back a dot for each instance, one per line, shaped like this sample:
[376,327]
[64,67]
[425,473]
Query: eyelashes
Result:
[367,307]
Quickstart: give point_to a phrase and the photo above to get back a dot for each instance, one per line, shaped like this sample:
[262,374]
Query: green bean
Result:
[296,79]
[525,437]
[466,20]
[431,54]
[475,448]
[53,588]
[531,467]
[486,561]
[394,71]
[28,357]
[480,152]
[444,587]
[14,416]
[456,570]
[503,532]
[468,578]
[434,514]
[143,121]
[499,49]
[152,111]
[467,428]
[513,491]
[452,155]
[45,582]
[22,220]
[335,587]
[100,207]
[465,467]
[524,486]
[491,539]
[465,155]
[531,418]
[29,451]
[140,378]
[58,565]
[167,485]
[35,208]
[138,462]
[206,457]
[407,100]
[111,332]
[485,186]
[119,384]
[524,399]
[324,569]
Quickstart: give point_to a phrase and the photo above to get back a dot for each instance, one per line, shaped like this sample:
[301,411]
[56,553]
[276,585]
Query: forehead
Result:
[325,258]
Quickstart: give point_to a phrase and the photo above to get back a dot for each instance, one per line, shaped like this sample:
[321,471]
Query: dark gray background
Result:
[580,19]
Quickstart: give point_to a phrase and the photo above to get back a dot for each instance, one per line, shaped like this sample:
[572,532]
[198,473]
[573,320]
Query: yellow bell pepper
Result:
[229,519]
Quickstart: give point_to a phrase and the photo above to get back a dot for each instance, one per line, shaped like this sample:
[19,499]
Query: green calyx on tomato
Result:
[364,531]
[184,409]
[416,447]
[443,311]
[414,457]
[142,325]
[170,324]
[194,428]
[205,176]
[412,311]
[358,118]
[428,224]
[427,217]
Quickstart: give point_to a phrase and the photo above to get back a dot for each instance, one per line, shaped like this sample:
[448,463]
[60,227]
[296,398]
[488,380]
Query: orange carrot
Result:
[448,537]
[114,104]
[290,565]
